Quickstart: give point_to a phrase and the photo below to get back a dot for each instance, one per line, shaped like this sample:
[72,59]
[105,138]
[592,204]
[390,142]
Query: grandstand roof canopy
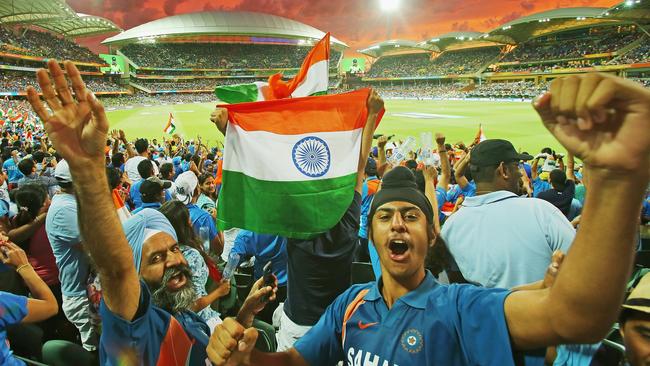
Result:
[221,23]
[55,16]
[454,39]
[535,25]
[630,10]
[394,46]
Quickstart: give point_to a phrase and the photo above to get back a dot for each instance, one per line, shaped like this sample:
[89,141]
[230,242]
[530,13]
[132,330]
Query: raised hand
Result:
[600,119]
[231,344]
[440,138]
[122,136]
[374,103]
[220,118]
[77,127]
[381,141]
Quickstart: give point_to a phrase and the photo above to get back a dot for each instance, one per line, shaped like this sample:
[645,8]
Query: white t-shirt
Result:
[131,168]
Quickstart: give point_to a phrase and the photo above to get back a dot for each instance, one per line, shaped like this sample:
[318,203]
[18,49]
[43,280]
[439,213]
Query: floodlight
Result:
[389,5]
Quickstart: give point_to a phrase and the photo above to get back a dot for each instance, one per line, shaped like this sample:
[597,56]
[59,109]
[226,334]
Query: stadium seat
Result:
[643,258]
[244,283]
[266,341]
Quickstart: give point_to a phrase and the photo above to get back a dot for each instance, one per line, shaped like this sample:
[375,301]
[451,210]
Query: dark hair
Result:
[166,169]
[145,168]
[6,153]
[30,199]
[25,166]
[547,150]
[38,156]
[203,177]
[141,145]
[210,156]
[114,176]
[179,216]
[557,177]
[117,159]
[187,157]
[196,159]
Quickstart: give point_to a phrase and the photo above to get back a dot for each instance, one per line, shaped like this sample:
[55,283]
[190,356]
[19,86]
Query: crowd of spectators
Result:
[420,91]
[140,99]
[508,90]
[457,245]
[573,45]
[219,56]
[35,43]
[639,54]
[420,64]
[14,81]
[190,84]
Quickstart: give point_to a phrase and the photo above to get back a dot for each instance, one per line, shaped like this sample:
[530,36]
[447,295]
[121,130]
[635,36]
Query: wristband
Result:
[22,266]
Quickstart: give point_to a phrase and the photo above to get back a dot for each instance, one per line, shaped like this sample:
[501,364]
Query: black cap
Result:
[493,152]
[399,185]
[153,186]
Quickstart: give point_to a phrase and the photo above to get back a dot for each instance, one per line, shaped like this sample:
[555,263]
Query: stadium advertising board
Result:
[116,65]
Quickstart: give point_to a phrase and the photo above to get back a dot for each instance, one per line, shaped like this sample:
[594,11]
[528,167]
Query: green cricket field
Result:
[458,120]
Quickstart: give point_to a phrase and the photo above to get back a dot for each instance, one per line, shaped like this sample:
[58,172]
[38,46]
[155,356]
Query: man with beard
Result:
[139,328]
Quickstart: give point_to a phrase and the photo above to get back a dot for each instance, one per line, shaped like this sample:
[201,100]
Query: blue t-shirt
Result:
[13,309]
[153,337]
[469,190]
[201,219]
[431,325]
[11,168]
[540,186]
[62,228]
[154,205]
[265,248]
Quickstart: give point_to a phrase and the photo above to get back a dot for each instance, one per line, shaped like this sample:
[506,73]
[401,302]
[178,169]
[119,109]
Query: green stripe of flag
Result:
[239,93]
[301,209]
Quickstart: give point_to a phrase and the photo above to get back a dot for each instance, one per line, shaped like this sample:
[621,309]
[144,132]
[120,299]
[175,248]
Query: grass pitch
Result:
[459,120]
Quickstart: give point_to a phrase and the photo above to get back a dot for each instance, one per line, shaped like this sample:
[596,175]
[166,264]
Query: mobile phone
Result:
[269,278]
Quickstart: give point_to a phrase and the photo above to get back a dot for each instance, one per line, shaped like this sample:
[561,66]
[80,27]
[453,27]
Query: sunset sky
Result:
[359,23]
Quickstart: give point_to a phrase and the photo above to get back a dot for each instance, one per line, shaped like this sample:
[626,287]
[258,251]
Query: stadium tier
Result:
[217,56]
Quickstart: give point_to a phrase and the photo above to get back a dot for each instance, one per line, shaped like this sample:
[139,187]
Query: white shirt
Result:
[131,168]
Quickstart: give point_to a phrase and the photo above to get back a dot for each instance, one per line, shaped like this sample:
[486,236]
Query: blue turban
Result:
[139,225]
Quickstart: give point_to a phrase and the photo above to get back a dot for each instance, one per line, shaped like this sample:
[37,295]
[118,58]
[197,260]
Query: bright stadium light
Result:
[389,5]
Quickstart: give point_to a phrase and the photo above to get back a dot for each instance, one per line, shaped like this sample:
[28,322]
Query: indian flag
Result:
[290,165]
[480,135]
[312,79]
[170,127]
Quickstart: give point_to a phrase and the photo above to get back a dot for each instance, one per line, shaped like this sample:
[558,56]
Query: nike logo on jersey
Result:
[367,325]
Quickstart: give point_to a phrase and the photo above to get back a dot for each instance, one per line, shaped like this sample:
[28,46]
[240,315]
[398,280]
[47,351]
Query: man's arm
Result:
[571,162]
[129,149]
[459,172]
[533,168]
[598,118]
[430,192]
[445,166]
[374,104]
[220,119]
[381,154]
[78,128]
[22,233]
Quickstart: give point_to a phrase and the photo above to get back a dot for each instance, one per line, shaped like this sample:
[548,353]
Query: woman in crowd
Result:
[202,266]
[28,232]
[208,199]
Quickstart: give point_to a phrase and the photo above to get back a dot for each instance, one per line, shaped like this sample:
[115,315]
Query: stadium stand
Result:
[35,43]
[217,56]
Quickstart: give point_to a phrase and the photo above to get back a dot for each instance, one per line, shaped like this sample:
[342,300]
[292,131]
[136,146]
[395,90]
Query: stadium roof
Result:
[55,16]
[452,39]
[394,45]
[531,26]
[221,23]
[630,10]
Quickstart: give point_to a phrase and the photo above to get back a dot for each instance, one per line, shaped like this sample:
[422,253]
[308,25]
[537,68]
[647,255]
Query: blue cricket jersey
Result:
[432,325]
